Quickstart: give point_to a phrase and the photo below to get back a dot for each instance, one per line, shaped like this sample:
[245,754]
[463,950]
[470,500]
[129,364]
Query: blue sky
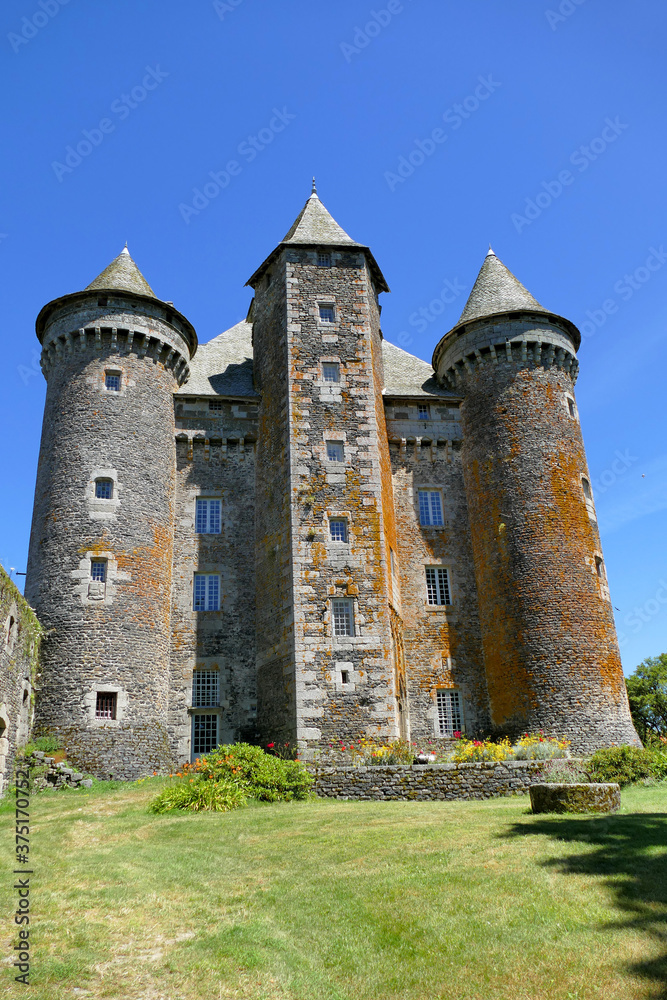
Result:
[550,144]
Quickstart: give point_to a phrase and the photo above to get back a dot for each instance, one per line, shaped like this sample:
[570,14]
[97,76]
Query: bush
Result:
[468,751]
[563,772]
[262,775]
[626,764]
[46,744]
[537,746]
[199,795]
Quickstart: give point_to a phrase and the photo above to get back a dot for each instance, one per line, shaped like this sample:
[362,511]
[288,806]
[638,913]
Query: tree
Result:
[647,691]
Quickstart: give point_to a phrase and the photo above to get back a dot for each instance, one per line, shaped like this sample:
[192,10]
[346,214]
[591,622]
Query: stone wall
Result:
[426,781]
[20,636]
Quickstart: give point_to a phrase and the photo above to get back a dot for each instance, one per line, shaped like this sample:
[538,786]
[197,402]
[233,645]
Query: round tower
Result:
[100,561]
[550,649]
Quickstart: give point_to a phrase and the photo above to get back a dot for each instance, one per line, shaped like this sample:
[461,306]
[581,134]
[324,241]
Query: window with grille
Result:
[215,404]
[331,371]
[450,712]
[430,507]
[103,489]
[437,585]
[204,733]
[105,705]
[206,592]
[112,381]
[208,515]
[98,570]
[335,451]
[424,412]
[323,259]
[327,314]
[205,689]
[338,529]
[343,617]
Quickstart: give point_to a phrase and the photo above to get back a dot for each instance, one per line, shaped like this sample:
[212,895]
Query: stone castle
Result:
[300,532]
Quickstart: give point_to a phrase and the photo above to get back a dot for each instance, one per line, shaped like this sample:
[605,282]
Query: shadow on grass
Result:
[630,854]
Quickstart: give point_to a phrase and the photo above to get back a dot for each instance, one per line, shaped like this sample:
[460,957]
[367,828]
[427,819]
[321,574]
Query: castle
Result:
[300,532]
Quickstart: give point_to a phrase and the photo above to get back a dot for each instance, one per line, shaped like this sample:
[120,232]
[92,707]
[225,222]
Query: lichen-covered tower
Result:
[100,562]
[549,641]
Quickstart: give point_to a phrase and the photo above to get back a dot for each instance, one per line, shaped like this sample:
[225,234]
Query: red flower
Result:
[269,745]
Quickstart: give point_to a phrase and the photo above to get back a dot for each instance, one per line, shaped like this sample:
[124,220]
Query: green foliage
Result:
[46,744]
[647,693]
[626,764]
[262,775]
[199,795]
[564,772]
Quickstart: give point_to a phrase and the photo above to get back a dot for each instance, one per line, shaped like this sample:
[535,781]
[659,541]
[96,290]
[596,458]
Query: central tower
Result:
[325,536]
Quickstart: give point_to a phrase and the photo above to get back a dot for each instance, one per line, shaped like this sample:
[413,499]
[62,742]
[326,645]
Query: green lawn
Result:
[341,901]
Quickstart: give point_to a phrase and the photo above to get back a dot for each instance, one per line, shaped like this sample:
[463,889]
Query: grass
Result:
[341,900]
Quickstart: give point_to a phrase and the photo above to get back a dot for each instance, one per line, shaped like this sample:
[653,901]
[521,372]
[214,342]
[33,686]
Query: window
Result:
[586,487]
[327,314]
[424,411]
[105,705]
[570,407]
[215,405]
[208,516]
[331,371]
[345,676]
[599,567]
[98,570]
[343,617]
[204,734]
[450,714]
[338,529]
[103,489]
[335,451]
[323,259]
[112,381]
[437,585]
[430,507]
[206,592]
[204,688]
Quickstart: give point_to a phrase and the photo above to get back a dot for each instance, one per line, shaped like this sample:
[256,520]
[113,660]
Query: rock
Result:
[87,783]
[575,798]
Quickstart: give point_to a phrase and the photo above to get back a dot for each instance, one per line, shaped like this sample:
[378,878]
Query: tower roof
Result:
[122,274]
[496,290]
[315,226]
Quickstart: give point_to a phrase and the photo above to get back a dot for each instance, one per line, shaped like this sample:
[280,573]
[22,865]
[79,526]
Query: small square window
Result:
[338,529]
[430,507]
[335,451]
[98,570]
[331,371]
[112,381]
[205,688]
[208,516]
[323,259]
[437,585]
[215,405]
[450,712]
[327,314]
[343,616]
[204,733]
[105,705]
[206,592]
[345,676]
[103,489]
[424,411]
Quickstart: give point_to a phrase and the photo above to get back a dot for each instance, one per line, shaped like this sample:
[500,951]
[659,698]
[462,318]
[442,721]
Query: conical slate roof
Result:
[496,290]
[123,274]
[315,225]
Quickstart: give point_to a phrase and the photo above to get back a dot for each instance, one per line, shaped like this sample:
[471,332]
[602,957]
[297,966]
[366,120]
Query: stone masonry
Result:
[299,532]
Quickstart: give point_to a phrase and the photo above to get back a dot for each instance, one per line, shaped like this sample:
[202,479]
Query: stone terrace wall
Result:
[427,781]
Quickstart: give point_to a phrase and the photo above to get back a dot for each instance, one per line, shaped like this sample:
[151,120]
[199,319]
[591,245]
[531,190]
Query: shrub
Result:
[537,746]
[623,764]
[262,775]
[199,795]
[563,772]
[468,751]
[46,744]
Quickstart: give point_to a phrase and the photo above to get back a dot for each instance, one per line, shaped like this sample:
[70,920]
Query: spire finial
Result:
[314,189]
[125,250]
[490,253]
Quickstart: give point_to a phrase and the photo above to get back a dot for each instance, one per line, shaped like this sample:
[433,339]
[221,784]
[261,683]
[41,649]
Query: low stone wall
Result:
[483,780]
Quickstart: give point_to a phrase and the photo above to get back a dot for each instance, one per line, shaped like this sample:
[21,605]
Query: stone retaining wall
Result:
[483,780]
